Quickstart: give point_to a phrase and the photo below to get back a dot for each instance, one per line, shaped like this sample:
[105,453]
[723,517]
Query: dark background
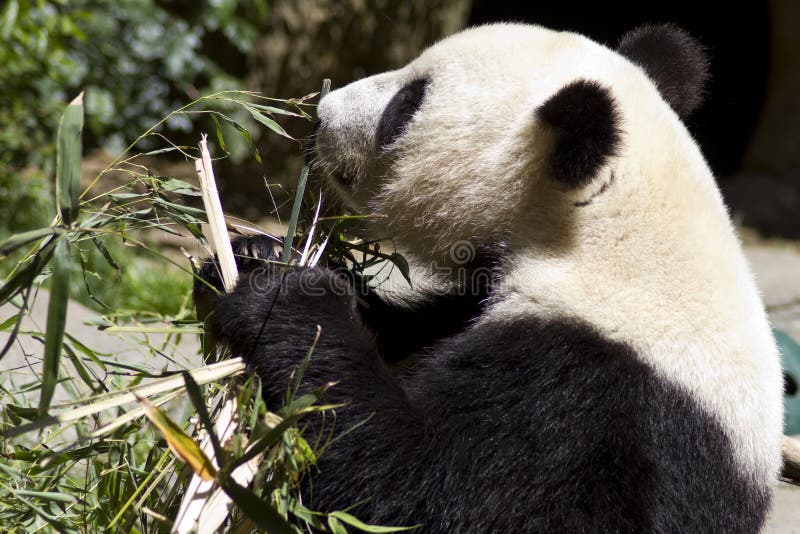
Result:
[737,40]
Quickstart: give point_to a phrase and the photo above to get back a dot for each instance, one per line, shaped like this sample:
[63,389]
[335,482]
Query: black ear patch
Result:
[399,111]
[674,60]
[586,124]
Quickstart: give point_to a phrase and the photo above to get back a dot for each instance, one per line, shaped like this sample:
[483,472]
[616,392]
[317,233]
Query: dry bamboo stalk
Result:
[220,240]
[205,506]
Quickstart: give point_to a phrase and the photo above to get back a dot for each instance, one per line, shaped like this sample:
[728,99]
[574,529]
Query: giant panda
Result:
[616,373]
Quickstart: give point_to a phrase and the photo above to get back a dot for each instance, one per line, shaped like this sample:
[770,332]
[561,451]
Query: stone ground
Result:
[777,269]
[776,265]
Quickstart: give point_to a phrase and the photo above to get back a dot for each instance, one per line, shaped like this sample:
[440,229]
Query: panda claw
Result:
[250,253]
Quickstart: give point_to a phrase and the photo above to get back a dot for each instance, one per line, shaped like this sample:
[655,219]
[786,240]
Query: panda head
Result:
[509,135]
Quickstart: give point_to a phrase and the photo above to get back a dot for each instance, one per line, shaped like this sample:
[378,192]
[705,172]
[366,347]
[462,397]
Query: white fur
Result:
[652,261]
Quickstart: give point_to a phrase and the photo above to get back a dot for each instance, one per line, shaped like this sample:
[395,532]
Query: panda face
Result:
[458,145]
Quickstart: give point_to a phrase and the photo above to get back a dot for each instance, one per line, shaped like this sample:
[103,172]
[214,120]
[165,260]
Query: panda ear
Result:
[585,121]
[674,60]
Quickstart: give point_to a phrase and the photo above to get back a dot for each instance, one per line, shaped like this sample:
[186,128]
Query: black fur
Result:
[586,125]
[527,426]
[675,60]
[402,327]
[399,111]
[250,252]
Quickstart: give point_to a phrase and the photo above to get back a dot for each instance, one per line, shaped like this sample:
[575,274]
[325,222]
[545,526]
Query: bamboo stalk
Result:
[220,240]
[205,506]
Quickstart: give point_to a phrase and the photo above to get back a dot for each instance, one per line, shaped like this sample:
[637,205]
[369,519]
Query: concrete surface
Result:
[785,517]
[22,364]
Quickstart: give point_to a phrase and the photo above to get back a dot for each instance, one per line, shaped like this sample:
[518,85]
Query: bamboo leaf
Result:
[17,323]
[68,161]
[18,240]
[105,252]
[56,323]
[336,526]
[8,322]
[172,207]
[24,277]
[277,111]
[59,526]
[353,522]
[401,263]
[181,444]
[269,123]
[164,150]
[298,197]
[125,197]
[48,496]
[261,444]
[173,185]
[298,202]
[218,130]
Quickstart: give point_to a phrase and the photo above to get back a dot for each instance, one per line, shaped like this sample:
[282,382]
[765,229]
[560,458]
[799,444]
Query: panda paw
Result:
[252,253]
[271,301]
[279,310]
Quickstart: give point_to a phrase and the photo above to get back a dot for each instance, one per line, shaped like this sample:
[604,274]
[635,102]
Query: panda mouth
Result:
[341,185]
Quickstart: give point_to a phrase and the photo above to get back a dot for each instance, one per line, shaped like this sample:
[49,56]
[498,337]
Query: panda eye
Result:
[399,111]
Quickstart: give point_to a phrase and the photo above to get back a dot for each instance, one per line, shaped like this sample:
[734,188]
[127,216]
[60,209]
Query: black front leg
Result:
[271,320]
[410,322]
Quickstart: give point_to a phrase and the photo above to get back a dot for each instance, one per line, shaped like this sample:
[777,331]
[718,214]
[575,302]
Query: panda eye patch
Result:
[399,112]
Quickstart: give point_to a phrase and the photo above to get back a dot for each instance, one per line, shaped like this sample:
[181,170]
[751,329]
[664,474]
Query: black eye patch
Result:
[399,111]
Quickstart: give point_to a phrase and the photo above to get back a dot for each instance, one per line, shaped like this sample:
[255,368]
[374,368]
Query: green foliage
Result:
[94,464]
[136,61]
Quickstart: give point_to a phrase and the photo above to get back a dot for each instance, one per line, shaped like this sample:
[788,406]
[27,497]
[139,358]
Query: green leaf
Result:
[163,150]
[277,111]
[24,277]
[312,518]
[51,519]
[118,197]
[105,253]
[181,444]
[173,185]
[17,240]
[56,323]
[220,136]
[353,522]
[8,18]
[401,263]
[48,496]
[83,373]
[259,511]
[17,324]
[269,123]
[335,526]
[298,202]
[298,197]
[8,322]
[172,207]
[68,161]
[261,444]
